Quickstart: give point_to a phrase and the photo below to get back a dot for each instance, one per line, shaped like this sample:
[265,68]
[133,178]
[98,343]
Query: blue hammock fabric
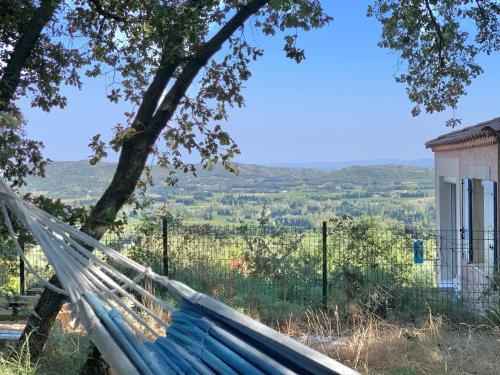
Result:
[208,337]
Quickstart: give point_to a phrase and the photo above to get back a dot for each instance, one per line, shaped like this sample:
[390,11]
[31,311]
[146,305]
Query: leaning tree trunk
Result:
[130,166]
[22,51]
[94,365]
[150,121]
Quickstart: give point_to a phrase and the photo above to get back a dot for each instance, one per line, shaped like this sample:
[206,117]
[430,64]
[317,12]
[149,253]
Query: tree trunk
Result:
[94,365]
[37,329]
[22,50]
[130,166]
[133,157]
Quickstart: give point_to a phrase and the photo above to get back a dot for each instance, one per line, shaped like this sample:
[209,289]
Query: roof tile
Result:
[483,129]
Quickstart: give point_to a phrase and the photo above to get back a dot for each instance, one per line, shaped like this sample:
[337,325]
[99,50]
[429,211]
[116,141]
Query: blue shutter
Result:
[467,249]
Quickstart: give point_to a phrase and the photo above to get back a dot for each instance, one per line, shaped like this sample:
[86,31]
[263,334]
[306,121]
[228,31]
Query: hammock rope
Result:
[137,332]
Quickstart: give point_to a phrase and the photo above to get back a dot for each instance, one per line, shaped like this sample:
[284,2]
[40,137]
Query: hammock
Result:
[138,333]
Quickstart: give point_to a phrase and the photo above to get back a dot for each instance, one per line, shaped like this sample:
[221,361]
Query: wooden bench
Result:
[19,308]
[9,337]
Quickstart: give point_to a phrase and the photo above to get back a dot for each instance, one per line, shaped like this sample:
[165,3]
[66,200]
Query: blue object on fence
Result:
[418,252]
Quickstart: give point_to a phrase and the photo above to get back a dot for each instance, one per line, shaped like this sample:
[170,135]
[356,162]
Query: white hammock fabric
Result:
[127,323]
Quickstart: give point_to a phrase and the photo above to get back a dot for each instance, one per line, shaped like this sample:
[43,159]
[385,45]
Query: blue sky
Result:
[340,104]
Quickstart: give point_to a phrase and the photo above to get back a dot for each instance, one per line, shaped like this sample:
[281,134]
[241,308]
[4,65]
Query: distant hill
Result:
[333,166]
[78,179]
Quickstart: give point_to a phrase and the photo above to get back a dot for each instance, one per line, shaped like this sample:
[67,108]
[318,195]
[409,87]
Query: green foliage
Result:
[172,42]
[19,157]
[367,254]
[143,247]
[276,253]
[18,364]
[74,216]
[9,258]
[492,318]
[9,269]
[403,371]
[267,307]
[440,42]
[8,290]
[495,284]
[64,353]
[153,52]
[54,61]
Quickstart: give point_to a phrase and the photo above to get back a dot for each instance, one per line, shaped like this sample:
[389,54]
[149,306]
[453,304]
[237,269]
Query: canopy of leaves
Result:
[53,62]
[74,216]
[150,54]
[19,156]
[439,42]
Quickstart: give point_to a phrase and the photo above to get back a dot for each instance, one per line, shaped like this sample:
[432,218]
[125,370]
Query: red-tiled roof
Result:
[484,129]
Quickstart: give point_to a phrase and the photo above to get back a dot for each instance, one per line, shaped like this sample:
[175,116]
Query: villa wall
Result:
[477,162]
[468,160]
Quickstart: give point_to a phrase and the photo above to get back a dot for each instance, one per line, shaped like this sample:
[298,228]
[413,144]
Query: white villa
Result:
[467,166]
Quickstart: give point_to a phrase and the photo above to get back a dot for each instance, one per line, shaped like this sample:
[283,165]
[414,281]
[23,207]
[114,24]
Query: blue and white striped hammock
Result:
[127,323]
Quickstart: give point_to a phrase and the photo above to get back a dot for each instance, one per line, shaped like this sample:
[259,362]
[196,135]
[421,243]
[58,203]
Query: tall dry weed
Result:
[373,345]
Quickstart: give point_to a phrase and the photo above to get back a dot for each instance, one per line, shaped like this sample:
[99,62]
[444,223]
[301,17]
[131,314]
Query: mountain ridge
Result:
[332,166]
[77,179]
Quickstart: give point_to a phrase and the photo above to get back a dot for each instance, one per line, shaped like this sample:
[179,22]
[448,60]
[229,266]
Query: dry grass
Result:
[375,346]
[363,341]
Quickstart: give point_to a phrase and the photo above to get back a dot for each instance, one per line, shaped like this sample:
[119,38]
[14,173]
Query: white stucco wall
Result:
[480,162]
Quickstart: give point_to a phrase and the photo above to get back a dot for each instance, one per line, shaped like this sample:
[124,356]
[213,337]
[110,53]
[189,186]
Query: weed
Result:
[17,362]
[65,353]
[376,346]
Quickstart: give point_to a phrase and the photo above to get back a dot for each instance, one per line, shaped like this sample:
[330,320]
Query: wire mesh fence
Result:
[276,271]
[250,266]
[387,270]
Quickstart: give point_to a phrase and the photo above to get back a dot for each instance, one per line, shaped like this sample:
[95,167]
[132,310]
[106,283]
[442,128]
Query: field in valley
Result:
[296,197]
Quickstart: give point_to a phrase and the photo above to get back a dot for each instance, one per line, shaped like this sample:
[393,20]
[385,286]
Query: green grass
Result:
[64,354]
[19,364]
[403,371]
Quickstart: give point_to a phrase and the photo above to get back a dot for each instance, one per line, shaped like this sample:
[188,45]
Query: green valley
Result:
[298,197]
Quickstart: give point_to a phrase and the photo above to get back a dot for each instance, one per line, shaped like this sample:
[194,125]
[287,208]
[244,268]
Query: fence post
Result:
[22,279]
[325,267]
[164,220]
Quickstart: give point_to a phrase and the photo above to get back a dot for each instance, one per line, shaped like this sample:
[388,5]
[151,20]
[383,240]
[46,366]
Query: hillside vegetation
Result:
[292,196]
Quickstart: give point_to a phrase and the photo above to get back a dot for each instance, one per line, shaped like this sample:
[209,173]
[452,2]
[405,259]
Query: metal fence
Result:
[390,271]
[279,270]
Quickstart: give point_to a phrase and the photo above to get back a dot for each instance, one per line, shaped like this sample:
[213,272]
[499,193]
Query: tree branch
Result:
[437,27]
[166,69]
[104,13]
[22,50]
[152,95]
[198,61]
[481,9]
[107,14]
